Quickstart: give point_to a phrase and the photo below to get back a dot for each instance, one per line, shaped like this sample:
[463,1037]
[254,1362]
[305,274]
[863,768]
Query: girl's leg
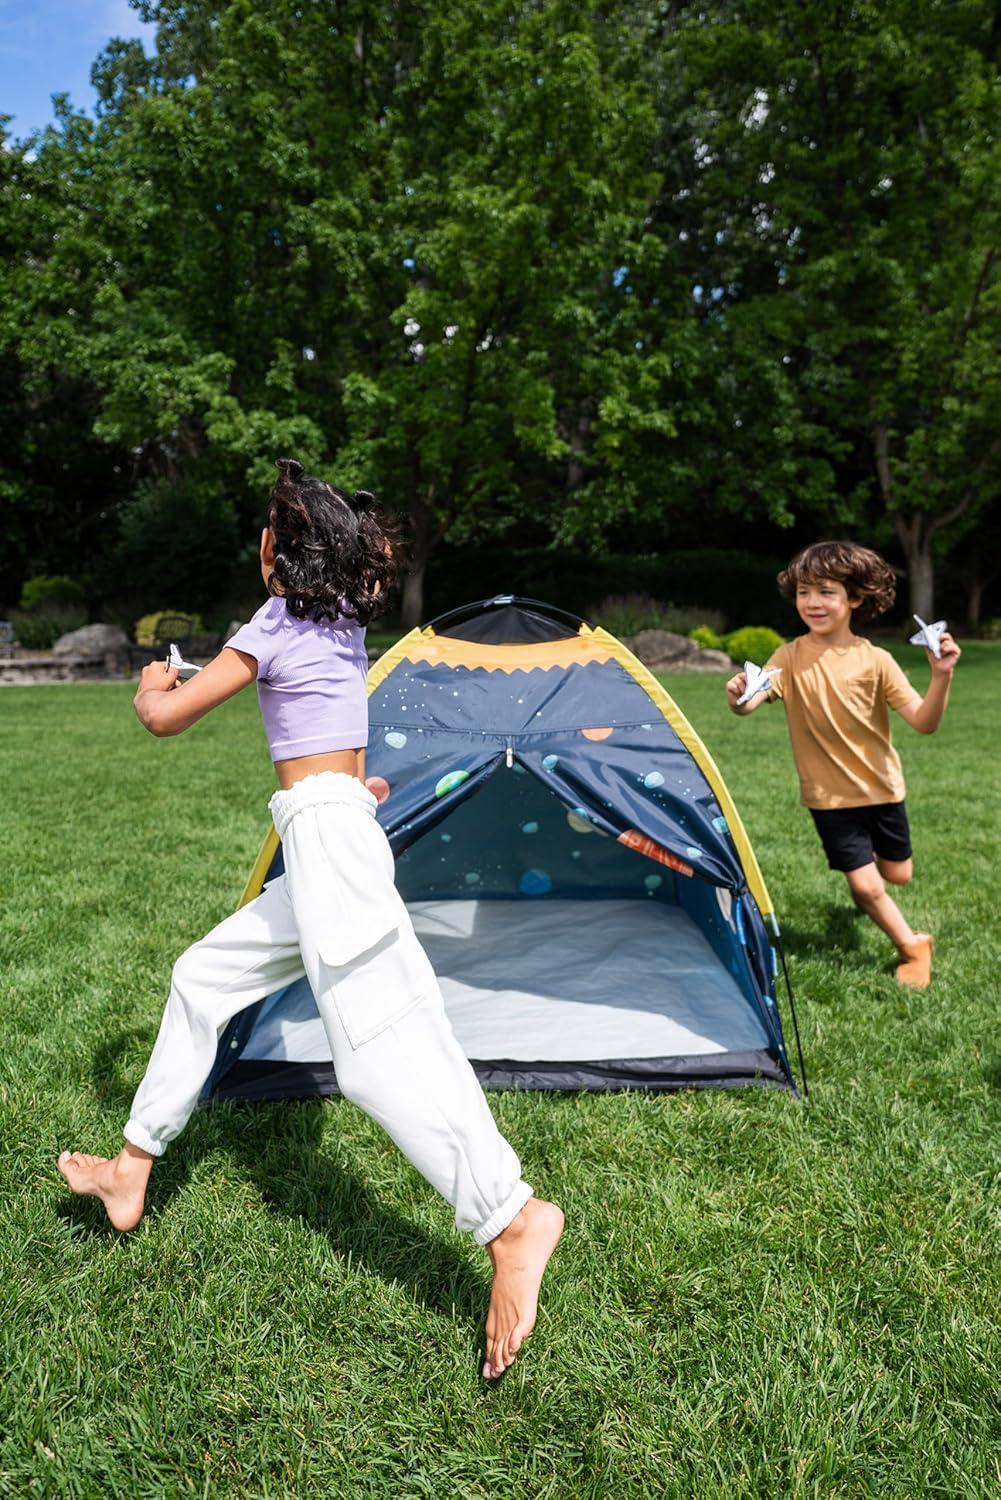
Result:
[414,1079]
[248,956]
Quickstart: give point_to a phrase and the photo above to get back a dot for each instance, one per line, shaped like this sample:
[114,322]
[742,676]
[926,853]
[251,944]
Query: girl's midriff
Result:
[348,762]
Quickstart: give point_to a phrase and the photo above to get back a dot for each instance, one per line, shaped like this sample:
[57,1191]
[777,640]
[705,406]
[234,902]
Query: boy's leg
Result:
[915,948]
[246,957]
[870,896]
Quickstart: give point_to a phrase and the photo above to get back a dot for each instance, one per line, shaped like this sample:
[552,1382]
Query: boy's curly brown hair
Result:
[865,575]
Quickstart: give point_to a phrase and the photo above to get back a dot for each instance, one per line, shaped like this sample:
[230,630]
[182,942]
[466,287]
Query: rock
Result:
[93,641]
[707,660]
[663,651]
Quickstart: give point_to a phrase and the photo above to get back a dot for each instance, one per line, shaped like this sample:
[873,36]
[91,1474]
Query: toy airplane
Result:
[759,680]
[930,636]
[176,660]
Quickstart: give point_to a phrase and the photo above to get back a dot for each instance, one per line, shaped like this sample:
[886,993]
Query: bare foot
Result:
[119,1183]
[520,1256]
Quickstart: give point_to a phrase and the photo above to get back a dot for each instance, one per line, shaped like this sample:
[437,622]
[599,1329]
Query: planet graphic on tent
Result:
[449,782]
[579,821]
[379,787]
[596,734]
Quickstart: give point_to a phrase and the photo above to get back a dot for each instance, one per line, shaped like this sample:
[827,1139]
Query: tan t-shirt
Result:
[836,700]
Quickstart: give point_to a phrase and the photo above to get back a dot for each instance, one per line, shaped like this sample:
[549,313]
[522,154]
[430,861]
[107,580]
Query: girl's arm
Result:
[925,714]
[165,706]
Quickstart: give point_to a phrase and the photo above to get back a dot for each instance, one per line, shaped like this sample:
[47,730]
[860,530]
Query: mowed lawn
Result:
[753,1297]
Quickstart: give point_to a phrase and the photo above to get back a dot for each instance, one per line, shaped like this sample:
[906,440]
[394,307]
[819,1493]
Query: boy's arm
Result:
[166,706]
[925,714]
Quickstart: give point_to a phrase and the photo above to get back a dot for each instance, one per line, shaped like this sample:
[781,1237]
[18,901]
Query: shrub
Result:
[990,630]
[37,631]
[146,627]
[51,588]
[628,614]
[706,637]
[751,643]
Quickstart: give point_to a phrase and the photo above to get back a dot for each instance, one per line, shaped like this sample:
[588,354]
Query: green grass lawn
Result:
[752,1298]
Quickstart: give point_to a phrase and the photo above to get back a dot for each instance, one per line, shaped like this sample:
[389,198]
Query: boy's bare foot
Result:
[120,1183]
[520,1256]
[914,969]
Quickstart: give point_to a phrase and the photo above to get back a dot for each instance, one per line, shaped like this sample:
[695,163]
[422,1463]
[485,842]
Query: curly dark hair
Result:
[336,554]
[865,575]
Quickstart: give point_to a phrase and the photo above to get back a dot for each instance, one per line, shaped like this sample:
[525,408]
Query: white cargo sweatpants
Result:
[336,916]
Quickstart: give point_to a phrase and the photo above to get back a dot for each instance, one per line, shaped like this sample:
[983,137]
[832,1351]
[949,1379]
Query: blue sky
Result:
[48,46]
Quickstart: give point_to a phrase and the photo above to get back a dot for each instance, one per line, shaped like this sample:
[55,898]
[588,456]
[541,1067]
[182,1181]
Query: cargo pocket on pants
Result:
[380,986]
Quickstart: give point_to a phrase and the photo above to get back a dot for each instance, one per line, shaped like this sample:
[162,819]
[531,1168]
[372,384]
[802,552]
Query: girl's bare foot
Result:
[120,1183]
[520,1256]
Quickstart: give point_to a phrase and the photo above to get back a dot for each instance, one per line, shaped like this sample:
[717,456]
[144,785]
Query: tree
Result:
[850,158]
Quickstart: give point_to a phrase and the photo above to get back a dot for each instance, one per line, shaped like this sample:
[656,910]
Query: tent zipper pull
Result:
[509,756]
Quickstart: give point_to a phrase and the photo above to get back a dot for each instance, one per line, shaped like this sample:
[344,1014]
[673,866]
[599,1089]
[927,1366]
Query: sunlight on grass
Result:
[752,1297]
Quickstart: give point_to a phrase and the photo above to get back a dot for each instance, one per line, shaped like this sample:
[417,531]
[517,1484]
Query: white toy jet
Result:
[176,660]
[930,636]
[759,680]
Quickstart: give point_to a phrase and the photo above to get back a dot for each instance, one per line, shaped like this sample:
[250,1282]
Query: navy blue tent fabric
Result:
[469,762]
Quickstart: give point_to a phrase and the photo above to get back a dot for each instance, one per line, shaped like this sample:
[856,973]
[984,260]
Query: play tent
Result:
[573,864]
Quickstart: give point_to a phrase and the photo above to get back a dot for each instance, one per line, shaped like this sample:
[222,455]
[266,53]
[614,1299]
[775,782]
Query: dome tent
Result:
[573,864]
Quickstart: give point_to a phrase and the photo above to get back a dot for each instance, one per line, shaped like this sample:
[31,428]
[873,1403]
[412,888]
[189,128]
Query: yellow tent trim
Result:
[261,866]
[381,669]
[710,770]
[449,651]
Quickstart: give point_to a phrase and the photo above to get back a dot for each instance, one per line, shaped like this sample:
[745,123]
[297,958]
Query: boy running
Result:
[836,687]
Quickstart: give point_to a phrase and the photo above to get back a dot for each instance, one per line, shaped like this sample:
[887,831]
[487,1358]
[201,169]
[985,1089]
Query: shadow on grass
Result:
[840,933]
[278,1147]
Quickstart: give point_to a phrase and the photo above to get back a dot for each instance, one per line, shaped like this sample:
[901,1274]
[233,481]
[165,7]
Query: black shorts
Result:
[854,836]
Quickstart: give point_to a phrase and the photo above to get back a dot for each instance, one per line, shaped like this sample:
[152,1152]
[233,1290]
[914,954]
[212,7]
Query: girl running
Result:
[328,560]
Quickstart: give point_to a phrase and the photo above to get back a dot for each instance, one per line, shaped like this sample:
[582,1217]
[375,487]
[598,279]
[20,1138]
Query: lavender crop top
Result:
[311,681]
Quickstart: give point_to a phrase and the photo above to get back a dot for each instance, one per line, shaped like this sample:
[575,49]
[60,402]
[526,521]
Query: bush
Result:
[51,589]
[38,632]
[176,539]
[751,643]
[628,614]
[145,631]
[706,637]
[990,630]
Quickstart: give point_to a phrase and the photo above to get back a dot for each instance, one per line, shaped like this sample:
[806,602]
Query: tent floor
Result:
[550,994]
[570,980]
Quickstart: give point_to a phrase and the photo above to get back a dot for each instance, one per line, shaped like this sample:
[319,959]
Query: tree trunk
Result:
[412,596]
[921,577]
[974,603]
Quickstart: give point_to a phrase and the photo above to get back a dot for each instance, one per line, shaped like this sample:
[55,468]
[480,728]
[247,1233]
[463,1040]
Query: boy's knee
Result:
[865,885]
[896,871]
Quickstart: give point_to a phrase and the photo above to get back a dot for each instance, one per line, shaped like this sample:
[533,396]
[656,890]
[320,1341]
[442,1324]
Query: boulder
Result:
[661,650]
[706,660]
[95,641]
[664,651]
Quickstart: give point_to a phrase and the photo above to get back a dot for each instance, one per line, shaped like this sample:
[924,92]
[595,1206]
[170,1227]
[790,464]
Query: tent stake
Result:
[792,1006]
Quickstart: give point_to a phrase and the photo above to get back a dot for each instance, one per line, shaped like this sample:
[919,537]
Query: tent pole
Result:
[792,1006]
